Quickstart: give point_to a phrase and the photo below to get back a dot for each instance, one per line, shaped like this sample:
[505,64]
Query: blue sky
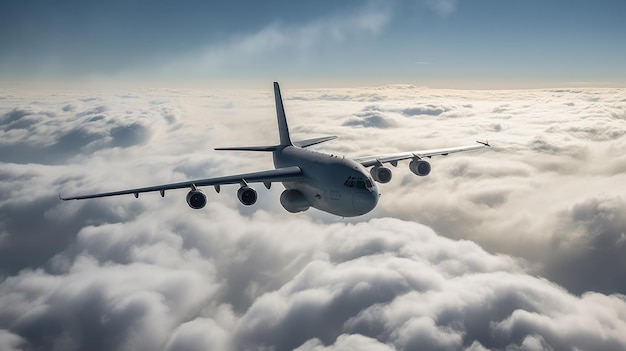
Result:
[437,43]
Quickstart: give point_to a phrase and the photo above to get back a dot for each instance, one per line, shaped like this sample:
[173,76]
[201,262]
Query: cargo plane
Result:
[338,185]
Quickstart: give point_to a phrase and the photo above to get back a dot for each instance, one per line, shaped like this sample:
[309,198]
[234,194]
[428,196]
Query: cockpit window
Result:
[358,182]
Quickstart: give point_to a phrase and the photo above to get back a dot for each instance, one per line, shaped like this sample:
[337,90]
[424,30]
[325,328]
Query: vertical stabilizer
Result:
[283,129]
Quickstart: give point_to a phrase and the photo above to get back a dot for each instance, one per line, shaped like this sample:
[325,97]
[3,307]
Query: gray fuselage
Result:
[330,183]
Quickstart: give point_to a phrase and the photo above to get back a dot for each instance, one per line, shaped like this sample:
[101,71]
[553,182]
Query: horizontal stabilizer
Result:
[247,148]
[315,141]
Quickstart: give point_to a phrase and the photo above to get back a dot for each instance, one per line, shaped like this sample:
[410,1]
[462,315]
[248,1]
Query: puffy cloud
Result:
[545,203]
[346,342]
[589,240]
[517,197]
[370,117]
[10,341]
[389,283]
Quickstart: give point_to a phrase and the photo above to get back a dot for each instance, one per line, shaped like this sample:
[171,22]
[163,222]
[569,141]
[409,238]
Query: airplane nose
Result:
[363,202]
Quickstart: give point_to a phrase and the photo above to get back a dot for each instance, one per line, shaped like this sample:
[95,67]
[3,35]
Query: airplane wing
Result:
[267,177]
[369,161]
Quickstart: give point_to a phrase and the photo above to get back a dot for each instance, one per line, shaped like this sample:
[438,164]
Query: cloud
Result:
[370,117]
[10,341]
[346,342]
[50,135]
[395,284]
[513,198]
[424,110]
[301,41]
[519,247]
[443,7]
[596,225]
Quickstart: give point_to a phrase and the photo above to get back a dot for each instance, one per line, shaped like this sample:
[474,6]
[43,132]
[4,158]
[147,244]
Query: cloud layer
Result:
[533,259]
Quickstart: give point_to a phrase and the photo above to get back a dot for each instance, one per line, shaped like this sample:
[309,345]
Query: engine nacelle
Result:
[247,195]
[419,167]
[196,199]
[381,174]
[294,201]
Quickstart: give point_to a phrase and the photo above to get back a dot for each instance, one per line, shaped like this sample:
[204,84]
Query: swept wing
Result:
[267,177]
[369,161]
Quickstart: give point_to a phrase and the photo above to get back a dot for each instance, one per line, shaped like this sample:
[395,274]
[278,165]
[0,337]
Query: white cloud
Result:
[346,342]
[546,201]
[279,41]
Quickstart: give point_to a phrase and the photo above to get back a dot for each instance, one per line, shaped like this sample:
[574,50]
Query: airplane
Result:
[333,184]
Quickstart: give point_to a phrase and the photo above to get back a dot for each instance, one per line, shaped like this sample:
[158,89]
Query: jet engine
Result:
[419,167]
[196,199]
[294,201]
[247,195]
[381,174]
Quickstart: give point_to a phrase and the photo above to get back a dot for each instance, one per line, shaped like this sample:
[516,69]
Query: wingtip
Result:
[486,143]
[61,198]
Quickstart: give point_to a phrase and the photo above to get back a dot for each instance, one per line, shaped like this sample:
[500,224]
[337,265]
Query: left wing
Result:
[369,161]
[267,177]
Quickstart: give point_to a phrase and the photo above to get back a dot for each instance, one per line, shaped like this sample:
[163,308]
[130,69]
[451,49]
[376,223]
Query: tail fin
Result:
[283,129]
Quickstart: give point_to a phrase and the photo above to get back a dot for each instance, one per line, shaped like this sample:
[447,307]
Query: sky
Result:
[437,43]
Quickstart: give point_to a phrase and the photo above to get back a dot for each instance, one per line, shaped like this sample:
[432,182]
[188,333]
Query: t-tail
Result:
[283,131]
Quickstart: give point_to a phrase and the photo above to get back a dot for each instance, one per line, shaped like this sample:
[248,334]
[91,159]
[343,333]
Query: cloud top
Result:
[519,247]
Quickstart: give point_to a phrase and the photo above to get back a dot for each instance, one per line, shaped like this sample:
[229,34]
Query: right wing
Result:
[274,175]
